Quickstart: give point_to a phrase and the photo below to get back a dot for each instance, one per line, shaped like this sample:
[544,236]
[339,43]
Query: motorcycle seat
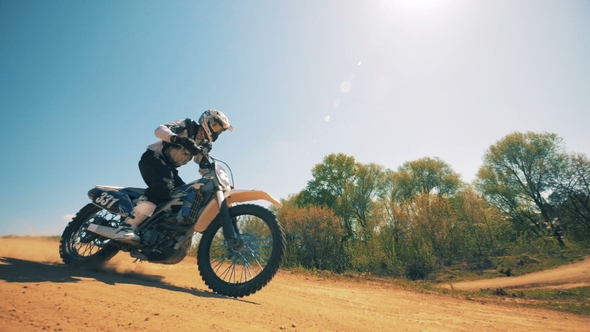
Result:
[140,191]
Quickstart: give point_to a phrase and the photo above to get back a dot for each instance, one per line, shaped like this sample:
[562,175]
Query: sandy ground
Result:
[39,293]
[564,277]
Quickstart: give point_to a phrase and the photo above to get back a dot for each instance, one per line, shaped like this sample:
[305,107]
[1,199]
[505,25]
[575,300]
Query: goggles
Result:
[217,127]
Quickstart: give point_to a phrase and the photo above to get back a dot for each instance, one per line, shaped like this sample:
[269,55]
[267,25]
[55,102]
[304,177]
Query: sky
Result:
[84,84]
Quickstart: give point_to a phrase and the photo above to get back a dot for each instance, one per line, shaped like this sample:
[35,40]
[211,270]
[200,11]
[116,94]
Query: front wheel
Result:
[79,247]
[245,270]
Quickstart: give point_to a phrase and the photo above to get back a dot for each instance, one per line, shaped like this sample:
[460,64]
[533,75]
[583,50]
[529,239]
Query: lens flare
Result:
[345,86]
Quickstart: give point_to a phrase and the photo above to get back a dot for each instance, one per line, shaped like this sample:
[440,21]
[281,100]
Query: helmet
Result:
[214,123]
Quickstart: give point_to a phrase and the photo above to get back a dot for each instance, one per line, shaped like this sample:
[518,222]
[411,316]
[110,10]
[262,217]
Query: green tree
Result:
[483,230]
[425,175]
[412,179]
[408,241]
[359,196]
[573,197]
[519,173]
[330,180]
[346,187]
[314,237]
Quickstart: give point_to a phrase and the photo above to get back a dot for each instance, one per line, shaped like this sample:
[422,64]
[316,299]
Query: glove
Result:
[206,147]
[204,165]
[187,143]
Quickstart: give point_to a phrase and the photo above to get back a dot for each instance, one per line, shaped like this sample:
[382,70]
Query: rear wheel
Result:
[79,247]
[243,269]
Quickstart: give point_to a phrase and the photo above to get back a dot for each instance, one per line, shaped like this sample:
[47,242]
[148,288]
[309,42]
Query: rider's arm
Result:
[166,131]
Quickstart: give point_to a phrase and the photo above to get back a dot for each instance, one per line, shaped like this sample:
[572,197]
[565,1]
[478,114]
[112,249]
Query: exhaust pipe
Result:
[105,231]
[108,232]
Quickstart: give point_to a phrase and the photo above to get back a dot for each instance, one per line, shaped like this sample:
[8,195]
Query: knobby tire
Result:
[79,247]
[220,275]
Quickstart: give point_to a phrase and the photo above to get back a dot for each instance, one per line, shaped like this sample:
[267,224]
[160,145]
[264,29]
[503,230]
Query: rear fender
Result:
[112,200]
[235,196]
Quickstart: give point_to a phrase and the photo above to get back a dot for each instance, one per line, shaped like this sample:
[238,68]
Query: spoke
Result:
[234,274]
[239,267]
[246,270]
[244,267]
[248,267]
[222,271]
[256,260]
[224,274]
[84,243]
[86,250]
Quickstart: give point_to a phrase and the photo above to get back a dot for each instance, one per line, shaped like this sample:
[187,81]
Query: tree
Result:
[482,227]
[426,175]
[358,197]
[314,237]
[330,180]
[346,187]
[519,173]
[572,197]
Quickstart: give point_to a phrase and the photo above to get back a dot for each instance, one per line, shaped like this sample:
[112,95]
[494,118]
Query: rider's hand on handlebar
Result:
[187,143]
[206,147]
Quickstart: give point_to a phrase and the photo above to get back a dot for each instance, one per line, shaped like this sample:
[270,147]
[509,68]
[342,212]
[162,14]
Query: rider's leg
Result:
[141,212]
[161,179]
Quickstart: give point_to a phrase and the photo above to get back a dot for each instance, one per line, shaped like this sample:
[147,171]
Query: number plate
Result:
[113,201]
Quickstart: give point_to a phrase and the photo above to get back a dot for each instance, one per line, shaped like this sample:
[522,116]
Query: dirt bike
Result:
[240,246]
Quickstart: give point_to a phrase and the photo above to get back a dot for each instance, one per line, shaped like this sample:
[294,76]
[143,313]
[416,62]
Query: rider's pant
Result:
[160,177]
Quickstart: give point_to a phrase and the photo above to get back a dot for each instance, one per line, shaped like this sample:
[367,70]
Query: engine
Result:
[166,241]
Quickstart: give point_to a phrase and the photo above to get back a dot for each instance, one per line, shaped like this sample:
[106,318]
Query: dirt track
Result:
[37,292]
[564,277]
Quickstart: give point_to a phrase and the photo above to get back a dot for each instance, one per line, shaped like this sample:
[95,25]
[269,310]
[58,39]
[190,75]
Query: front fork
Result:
[230,231]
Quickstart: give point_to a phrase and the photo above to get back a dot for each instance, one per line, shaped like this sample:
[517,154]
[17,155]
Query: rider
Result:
[180,141]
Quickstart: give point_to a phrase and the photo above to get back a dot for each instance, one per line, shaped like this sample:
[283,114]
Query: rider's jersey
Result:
[175,154]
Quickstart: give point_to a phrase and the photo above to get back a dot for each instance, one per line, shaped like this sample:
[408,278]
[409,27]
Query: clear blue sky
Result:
[83,85]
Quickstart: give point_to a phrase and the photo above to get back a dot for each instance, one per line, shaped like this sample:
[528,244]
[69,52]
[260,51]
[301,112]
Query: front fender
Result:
[235,196]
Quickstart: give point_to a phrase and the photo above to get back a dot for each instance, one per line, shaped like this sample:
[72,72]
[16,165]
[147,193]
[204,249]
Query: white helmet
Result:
[214,123]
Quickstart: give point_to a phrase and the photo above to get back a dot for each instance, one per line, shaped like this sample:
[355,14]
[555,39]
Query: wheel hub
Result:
[235,244]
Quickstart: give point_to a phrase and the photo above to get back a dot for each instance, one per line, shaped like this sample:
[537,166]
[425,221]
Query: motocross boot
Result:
[127,232]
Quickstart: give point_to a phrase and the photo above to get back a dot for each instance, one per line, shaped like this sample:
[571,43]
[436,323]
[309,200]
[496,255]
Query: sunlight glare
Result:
[345,86]
[336,103]
[414,7]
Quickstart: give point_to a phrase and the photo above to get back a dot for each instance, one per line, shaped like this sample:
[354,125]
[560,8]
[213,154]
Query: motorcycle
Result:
[240,246]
